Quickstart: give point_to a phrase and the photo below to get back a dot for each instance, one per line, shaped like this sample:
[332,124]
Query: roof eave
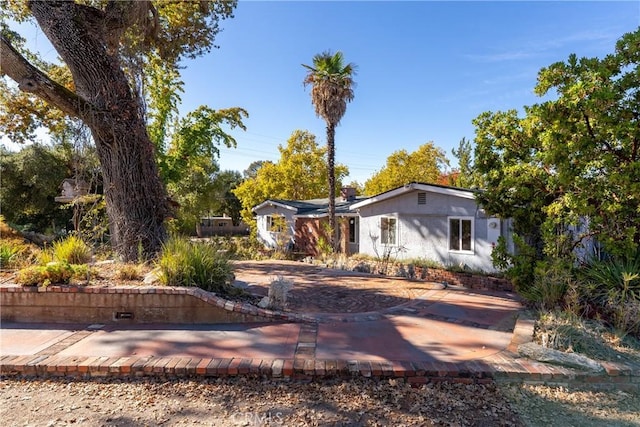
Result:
[465,194]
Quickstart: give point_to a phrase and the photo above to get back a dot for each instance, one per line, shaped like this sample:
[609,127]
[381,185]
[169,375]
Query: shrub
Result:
[72,250]
[613,288]
[550,284]
[185,263]
[52,273]
[518,267]
[129,272]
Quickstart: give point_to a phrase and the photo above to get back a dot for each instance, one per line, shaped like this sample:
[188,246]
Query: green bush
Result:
[518,267]
[50,274]
[185,263]
[550,284]
[613,288]
[616,279]
[72,250]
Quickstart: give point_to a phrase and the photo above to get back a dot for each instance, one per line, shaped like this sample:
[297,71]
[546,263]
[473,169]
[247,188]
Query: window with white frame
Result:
[461,234]
[388,231]
[275,223]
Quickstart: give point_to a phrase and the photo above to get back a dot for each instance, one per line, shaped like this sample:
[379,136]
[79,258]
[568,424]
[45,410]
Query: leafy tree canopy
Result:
[31,180]
[463,176]
[423,165]
[300,174]
[571,158]
[120,76]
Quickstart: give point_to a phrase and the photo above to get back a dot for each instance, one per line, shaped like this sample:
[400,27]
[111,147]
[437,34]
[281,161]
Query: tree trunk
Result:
[331,174]
[136,199]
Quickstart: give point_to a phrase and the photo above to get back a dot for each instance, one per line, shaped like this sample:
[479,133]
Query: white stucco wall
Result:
[268,237]
[423,230]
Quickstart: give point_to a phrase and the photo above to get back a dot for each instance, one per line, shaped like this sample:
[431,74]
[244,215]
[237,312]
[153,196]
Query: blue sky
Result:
[425,69]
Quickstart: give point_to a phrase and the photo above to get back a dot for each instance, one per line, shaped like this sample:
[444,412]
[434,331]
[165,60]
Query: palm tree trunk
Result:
[331,176]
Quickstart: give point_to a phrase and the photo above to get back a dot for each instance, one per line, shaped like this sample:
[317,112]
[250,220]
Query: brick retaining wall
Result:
[128,304]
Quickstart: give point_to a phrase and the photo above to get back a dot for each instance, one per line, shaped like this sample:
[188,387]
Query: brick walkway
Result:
[433,334]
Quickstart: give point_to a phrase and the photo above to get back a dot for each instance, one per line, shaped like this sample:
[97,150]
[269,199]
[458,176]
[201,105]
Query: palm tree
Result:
[331,88]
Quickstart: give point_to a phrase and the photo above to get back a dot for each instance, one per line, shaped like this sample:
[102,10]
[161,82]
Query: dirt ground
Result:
[250,402]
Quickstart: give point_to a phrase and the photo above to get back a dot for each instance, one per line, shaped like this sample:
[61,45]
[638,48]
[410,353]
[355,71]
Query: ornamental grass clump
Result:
[186,263]
[10,252]
[613,289]
[72,250]
[65,261]
[129,271]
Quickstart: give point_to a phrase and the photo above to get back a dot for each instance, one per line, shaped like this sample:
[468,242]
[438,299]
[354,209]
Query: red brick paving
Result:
[467,314]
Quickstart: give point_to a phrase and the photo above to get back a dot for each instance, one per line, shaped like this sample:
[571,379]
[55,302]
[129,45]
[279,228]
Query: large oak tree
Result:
[105,45]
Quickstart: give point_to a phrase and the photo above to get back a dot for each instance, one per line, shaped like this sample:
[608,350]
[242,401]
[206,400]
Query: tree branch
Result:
[609,148]
[32,80]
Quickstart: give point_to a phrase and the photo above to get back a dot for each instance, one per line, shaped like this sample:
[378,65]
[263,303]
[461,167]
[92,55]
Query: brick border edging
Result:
[506,370]
[503,367]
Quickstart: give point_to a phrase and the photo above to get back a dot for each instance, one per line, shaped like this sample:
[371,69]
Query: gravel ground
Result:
[249,402]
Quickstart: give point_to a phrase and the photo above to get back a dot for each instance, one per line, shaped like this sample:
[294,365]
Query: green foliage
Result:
[188,165]
[300,174]
[423,165]
[613,288]
[72,250]
[324,245]
[550,284]
[572,157]
[425,263]
[11,253]
[519,267]
[332,85]
[31,180]
[616,279]
[186,263]
[465,177]
[51,274]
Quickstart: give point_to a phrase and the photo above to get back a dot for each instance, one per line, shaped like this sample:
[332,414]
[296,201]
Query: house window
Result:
[221,224]
[422,198]
[275,223]
[389,231]
[353,230]
[461,234]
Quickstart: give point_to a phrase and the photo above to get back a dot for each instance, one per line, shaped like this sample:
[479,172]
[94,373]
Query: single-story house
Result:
[415,221]
[299,224]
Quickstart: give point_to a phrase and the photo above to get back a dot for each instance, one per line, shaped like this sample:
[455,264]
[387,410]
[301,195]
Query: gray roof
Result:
[319,207]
